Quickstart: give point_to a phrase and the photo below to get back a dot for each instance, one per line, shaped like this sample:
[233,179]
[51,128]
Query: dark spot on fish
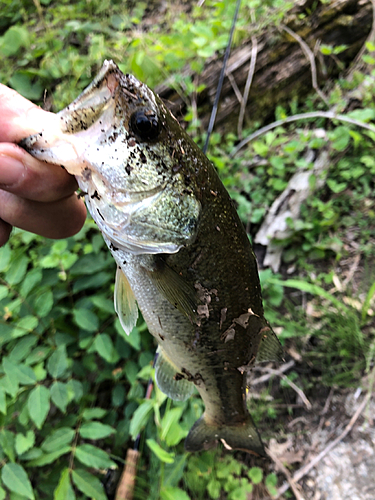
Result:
[62,166]
[143,157]
[161,337]
[189,376]
[100,214]
[112,246]
[128,169]
[82,194]
[124,262]
[95,195]
[131,143]
[178,376]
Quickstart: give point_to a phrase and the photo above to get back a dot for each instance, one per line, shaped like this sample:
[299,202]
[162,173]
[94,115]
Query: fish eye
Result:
[145,124]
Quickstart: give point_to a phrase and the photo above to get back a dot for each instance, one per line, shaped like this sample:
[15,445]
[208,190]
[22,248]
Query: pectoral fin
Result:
[270,348]
[173,287]
[168,379]
[125,303]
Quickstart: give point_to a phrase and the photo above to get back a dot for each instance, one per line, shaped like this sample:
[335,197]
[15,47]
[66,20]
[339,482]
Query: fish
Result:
[183,256]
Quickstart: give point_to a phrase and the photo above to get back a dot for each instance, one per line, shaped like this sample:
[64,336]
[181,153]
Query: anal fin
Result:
[167,378]
[125,303]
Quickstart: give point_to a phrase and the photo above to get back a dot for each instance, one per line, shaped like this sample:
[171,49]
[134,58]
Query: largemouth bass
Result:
[182,253]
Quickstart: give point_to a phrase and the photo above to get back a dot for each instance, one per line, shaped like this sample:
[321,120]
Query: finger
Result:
[5,230]
[20,117]
[55,219]
[27,177]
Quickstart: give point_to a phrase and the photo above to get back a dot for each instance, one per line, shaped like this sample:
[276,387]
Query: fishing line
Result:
[221,79]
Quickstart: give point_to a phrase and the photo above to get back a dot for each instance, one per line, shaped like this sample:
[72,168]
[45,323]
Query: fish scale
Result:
[183,256]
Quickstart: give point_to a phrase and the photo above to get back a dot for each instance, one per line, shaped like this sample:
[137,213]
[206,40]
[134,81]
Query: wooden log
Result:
[282,70]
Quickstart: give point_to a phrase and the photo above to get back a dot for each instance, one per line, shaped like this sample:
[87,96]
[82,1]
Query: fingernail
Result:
[11,170]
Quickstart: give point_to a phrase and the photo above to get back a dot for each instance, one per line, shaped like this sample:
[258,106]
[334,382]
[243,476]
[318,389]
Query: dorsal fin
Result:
[270,348]
[125,303]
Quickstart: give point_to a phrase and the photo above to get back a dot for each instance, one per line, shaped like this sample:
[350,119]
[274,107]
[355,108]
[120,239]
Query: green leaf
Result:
[171,493]
[104,347]
[162,454]
[17,270]
[22,82]
[134,339]
[88,484]
[92,413]
[22,348]
[38,404]
[86,319]
[4,292]
[140,417]
[24,326]
[58,362]
[94,457]
[172,432]
[271,483]
[49,458]
[43,303]
[60,395]
[214,488]
[96,430]
[2,493]
[7,443]
[256,475]
[57,439]
[10,385]
[21,373]
[33,278]
[24,443]
[64,490]
[75,386]
[13,39]
[3,402]
[5,255]
[15,478]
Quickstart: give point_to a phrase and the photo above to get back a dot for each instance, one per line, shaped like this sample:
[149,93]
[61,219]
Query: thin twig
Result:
[292,385]
[235,88]
[301,116]
[306,468]
[268,375]
[310,56]
[249,79]
[292,483]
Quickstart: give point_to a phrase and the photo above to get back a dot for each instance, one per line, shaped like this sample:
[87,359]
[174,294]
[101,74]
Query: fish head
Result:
[120,142]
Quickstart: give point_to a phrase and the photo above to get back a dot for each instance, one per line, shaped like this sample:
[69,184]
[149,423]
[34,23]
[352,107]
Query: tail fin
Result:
[245,437]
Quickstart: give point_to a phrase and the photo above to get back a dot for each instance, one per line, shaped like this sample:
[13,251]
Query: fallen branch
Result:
[301,116]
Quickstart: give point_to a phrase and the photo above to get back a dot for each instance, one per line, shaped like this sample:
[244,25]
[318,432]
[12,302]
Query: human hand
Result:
[35,196]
